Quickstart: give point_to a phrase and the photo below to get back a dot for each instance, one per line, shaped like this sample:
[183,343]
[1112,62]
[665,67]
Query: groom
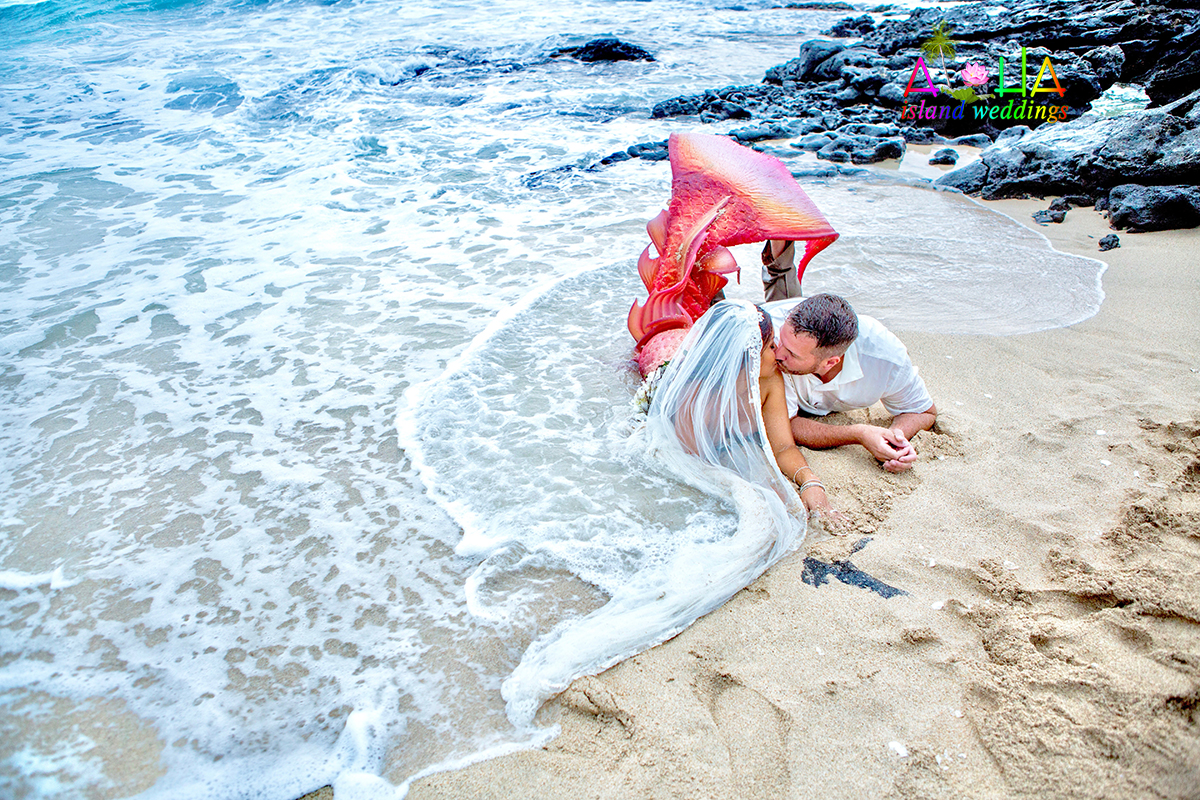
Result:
[834,360]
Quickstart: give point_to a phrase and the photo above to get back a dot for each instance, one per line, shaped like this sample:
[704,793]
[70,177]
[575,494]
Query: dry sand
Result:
[1048,645]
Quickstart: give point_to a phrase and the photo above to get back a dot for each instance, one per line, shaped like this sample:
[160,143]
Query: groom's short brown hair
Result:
[827,318]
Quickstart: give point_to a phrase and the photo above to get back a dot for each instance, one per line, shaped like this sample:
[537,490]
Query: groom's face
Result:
[798,354]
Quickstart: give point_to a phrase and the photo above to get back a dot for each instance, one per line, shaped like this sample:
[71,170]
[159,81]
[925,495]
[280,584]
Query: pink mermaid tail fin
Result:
[766,202]
[662,311]
[679,298]
[722,194]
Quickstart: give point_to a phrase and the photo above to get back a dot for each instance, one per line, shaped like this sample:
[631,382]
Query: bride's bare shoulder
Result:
[770,384]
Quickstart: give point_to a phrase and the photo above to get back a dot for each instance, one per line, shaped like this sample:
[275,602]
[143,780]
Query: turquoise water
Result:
[1120,99]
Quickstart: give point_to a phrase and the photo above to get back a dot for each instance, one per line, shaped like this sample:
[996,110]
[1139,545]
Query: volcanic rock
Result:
[605,49]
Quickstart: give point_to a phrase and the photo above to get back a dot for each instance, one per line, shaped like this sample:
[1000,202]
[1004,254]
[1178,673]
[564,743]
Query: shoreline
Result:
[1047,638]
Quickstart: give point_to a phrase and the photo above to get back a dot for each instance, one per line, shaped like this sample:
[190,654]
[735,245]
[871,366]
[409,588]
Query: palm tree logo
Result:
[939,46]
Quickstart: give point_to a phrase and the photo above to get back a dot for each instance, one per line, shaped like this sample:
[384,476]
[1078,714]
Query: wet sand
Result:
[1047,643]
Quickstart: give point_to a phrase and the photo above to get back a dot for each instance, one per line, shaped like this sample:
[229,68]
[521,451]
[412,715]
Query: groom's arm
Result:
[817,435]
[885,444]
[912,424]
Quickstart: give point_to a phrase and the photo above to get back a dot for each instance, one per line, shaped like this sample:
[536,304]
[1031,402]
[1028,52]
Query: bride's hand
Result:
[830,520]
[821,512]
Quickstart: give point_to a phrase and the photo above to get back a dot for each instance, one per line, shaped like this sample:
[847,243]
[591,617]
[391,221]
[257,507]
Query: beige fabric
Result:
[779,273]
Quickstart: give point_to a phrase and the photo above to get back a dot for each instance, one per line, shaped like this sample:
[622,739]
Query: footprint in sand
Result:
[755,732]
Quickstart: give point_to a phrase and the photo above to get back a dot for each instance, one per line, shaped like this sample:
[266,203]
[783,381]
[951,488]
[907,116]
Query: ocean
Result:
[315,382]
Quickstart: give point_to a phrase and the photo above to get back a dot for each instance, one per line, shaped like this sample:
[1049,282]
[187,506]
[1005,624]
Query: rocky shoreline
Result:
[844,99]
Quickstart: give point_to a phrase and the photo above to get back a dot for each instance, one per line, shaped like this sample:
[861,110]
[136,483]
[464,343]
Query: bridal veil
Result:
[705,426]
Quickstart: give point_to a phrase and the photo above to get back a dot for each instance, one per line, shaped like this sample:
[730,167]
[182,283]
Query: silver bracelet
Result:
[810,484]
[797,472]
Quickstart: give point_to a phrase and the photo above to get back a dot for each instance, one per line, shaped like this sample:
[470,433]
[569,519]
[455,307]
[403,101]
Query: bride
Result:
[707,407]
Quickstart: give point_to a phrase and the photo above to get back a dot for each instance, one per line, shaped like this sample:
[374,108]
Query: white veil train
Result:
[705,426]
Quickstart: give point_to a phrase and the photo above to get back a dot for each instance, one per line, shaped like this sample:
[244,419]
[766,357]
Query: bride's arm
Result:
[788,456]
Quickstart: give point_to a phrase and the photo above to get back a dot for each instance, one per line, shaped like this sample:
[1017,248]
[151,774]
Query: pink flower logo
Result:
[975,74]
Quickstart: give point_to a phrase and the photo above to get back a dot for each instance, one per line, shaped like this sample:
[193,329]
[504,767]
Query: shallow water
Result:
[240,242]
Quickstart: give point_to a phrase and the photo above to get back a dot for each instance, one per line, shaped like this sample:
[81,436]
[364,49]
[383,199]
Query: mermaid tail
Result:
[722,194]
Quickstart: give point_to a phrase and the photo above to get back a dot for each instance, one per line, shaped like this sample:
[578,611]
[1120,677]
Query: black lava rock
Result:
[1177,69]
[867,129]
[921,135]
[718,104]
[1047,216]
[615,158]
[651,151]
[677,107]
[820,6]
[1154,208]
[1067,202]
[758,133]
[859,149]
[1110,242]
[813,141]
[852,26]
[944,156]
[722,110]
[605,49]
[1108,62]
[1089,156]
[802,68]
[973,140]
[831,69]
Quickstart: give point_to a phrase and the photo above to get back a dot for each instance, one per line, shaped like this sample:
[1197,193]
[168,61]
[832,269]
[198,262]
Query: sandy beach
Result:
[1047,643]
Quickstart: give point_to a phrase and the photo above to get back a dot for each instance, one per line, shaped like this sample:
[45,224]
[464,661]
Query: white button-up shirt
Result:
[875,368]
